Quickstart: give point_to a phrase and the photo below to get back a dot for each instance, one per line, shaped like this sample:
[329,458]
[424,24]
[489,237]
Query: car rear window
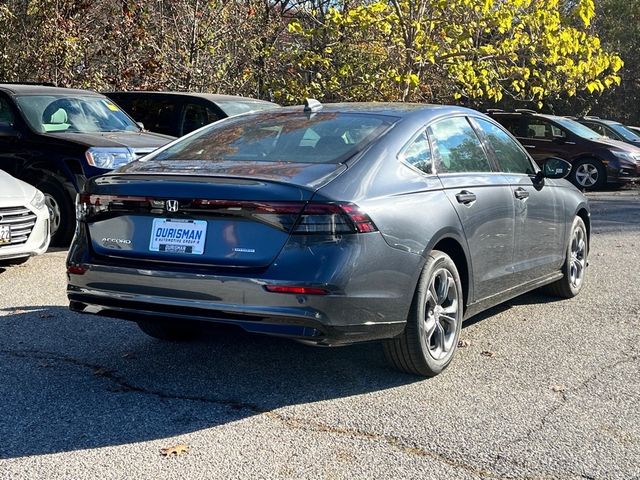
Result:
[232,108]
[323,137]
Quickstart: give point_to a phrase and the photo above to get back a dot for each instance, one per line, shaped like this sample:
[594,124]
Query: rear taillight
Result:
[281,215]
[299,218]
[89,205]
[298,290]
[76,269]
[333,219]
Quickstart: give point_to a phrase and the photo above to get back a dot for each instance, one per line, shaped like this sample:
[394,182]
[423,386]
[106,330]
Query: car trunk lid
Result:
[219,221]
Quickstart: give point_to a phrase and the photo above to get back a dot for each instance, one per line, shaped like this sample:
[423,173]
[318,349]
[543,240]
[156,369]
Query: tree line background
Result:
[560,56]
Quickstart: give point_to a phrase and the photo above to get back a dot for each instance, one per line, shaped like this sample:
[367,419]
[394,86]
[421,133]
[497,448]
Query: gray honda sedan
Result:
[330,224]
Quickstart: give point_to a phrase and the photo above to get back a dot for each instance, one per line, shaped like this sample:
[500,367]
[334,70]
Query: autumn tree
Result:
[434,49]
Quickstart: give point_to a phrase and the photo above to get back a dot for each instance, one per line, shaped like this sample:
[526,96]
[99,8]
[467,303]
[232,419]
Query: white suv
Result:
[24,220]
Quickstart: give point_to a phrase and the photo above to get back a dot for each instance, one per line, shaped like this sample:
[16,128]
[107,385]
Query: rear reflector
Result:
[76,269]
[296,290]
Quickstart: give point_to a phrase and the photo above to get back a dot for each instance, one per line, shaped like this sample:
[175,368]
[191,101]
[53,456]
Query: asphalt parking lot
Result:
[542,389]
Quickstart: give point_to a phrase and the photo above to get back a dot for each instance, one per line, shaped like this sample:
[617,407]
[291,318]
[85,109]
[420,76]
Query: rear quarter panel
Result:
[409,208]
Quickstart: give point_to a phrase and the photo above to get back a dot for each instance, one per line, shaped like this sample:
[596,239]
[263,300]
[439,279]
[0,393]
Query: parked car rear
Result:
[330,225]
[179,113]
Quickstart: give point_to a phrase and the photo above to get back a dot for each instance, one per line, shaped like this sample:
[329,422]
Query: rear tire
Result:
[62,215]
[430,339]
[575,264]
[588,174]
[168,330]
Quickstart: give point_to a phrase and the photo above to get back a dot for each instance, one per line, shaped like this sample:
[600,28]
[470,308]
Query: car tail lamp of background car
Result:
[299,218]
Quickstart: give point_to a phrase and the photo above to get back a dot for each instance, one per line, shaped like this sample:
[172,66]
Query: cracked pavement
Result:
[89,397]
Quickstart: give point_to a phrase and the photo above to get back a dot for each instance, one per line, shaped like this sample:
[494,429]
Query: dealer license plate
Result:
[5,234]
[173,235]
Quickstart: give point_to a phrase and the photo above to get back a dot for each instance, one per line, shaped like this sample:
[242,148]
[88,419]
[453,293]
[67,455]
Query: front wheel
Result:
[588,174]
[575,264]
[430,339]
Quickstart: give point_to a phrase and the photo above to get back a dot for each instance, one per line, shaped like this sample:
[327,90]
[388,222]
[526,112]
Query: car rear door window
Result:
[196,116]
[510,123]
[6,116]
[457,147]
[157,114]
[511,158]
[418,153]
[540,129]
[596,128]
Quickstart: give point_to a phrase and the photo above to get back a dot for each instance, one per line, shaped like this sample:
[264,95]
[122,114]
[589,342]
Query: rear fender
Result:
[453,243]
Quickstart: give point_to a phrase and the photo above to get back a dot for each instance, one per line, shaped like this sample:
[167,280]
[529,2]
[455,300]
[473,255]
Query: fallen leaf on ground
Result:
[558,388]
[101,372]
[129,355]
[463,343]
[488,353]
[46,315]
[175,450]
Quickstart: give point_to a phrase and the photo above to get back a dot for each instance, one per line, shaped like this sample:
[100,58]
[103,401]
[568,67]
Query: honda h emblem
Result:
[172,205]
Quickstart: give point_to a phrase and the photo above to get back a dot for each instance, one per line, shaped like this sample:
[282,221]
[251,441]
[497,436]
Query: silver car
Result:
[24,220]
[331,225]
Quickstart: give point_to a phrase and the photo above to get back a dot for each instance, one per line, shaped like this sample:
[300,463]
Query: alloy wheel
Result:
[54,213]
[578,259]
[587,175]
[441,315]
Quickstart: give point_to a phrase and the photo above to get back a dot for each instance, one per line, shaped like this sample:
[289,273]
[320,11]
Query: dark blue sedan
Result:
[330,224]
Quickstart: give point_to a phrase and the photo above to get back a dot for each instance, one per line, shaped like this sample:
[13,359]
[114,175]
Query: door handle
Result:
[465,197]
[521,193]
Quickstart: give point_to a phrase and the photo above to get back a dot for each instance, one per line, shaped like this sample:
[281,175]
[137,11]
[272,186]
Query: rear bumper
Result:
[371,288]
[298,325]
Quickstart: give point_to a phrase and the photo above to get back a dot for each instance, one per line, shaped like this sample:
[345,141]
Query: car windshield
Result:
[578,129]
[324,137]
[82,114]
[232,108]
[625,132]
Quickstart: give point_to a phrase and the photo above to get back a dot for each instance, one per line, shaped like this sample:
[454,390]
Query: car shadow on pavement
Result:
[71,381]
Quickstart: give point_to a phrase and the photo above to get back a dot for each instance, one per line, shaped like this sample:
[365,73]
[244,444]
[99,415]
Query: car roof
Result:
[32,89]
[524,114]
[598,120]
[395,109]
[214,97]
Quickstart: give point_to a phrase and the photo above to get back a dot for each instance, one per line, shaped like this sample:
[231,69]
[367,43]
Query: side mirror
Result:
[559,140]
[141,125]
[554,167]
